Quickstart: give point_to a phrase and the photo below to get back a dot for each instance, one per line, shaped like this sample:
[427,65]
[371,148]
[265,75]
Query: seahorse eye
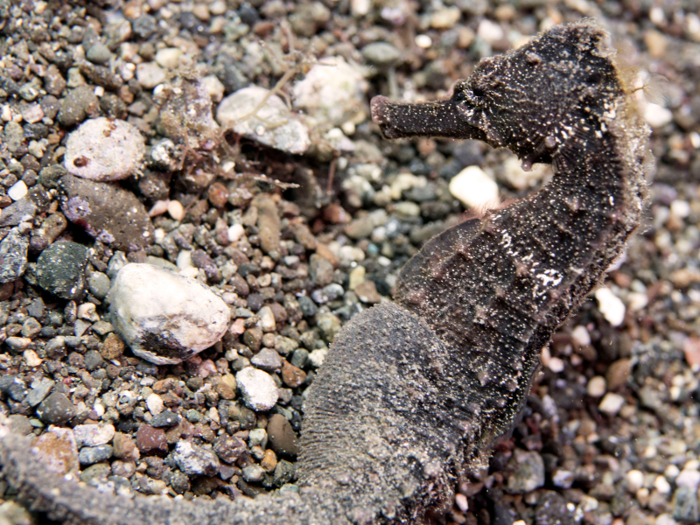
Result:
[478,91]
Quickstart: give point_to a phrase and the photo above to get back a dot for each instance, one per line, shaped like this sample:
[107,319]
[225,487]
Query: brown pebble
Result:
[291,375]
[57,451]
[149,439]
[367,292]
[225,391]
[112,347]
[218,195]
[269,461]
[229,448]
[335,214]
[124,447]
[283,440]
[325,252]
[279,312]
[618,373]
[303,236]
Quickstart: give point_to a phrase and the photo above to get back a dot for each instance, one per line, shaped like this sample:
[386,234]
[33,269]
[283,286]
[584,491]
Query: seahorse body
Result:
[413,393]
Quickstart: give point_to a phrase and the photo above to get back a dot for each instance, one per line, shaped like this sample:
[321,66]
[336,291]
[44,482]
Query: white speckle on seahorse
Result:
[549,278]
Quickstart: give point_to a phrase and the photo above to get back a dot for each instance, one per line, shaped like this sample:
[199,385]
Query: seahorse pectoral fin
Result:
[435,119]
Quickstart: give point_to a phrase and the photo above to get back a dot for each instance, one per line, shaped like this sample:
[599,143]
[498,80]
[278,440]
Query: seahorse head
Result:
[544,95]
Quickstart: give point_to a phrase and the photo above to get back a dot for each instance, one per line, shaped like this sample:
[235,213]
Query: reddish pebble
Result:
[692,351]
[149,439]
[292,376]
[218,195]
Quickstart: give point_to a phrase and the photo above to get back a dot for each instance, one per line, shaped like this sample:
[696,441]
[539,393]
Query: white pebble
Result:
[318,356]
[33,113]
[155,404]
[169,57]
[612,308]
[184,260]
[176,211]
[165,317]
[611,404]
[235,232]
[555,364]
[581,336]
[636,301]
[462,503]
[672,472]
[258,388]
[489,31]
[424,41]
[474,188]
[93,435]
[31,358]
[635,480]
[662,485]
[150,74]
[158,208]
[688,478]
[104,149]
[657,116]
[267,319]
[18,191]
[596,386]
[680,209]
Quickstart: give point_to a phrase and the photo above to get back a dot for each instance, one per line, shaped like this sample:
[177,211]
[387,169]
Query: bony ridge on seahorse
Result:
[414,392]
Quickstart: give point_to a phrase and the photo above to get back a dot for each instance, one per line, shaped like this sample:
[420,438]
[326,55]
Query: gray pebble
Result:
[528,472]
[300,358]
[267,359]
[308,308]
[253,473]
[93,360]
[22,210]
[685,505]
[39,391]
[30,327]
[14,135]
[99,284]
[284,472]
[144,26]
[92,455]
[56,409]
[98,54]
[167,418]
[75,107]
[96,474]
[60,269]
[13,256]
[381,54]
[194,460]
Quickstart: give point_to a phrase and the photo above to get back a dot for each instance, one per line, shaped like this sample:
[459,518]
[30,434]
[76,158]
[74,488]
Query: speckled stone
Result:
[60,269]
[163,316]
[104,149]
[108,213]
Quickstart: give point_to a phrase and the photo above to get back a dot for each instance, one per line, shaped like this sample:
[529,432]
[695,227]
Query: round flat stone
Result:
[104,149]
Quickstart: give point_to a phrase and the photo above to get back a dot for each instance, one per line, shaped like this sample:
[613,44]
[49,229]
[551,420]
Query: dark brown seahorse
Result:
[413,393]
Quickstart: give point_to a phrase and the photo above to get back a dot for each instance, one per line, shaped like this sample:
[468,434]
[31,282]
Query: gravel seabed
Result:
[298,215]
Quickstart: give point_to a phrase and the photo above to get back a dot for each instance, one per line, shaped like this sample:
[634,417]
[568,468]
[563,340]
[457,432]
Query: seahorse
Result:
[414,392]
